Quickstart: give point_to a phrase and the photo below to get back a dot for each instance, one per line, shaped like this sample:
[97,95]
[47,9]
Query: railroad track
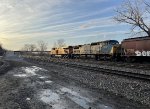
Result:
[144,66]
[107,71]
[100,69]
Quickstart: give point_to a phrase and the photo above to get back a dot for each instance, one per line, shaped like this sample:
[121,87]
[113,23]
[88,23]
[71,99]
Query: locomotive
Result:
[130,49]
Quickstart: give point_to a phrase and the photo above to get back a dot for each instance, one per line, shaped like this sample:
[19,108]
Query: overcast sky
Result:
[75,21]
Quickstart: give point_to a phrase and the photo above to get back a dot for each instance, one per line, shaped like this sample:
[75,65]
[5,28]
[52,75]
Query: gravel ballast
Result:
[3,66]
[137,90]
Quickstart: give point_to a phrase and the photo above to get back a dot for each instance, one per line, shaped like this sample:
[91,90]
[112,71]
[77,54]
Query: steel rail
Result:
[101,70]
[108,71]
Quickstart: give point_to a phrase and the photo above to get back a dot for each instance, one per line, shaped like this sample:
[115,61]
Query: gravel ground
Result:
[1,63]
[137,90]
[114,66]
[31,87]
[40,86]
[135,65]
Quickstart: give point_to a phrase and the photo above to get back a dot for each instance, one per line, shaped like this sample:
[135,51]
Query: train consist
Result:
[129,50]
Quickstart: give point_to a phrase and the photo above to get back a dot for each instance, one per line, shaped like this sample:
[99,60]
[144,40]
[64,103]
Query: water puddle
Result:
[28,99]
[29,71]
[51,98]
[48,96]
[48,82]
[77,98]
[82,101]
[101,106]
[42,77]
[20,75]
[58,99]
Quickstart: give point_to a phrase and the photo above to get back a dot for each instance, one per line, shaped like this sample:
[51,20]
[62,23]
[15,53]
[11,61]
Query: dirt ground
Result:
[28,86]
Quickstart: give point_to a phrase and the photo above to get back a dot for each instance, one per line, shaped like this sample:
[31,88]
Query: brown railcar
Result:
[136,48]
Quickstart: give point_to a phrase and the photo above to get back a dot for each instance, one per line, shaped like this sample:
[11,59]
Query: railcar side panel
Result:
[86,49]
[136,47]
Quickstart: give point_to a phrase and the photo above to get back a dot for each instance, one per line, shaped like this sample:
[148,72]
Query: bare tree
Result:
[2,50]
[26,47]
[29,47]
[134,12]
[60,43]
[42,46]
[32,47]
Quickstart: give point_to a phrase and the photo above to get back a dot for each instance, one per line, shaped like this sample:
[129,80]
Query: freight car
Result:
[135,49]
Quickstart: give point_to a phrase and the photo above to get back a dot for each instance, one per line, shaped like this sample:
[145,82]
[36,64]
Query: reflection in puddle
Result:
[84,102]
[32,70]
[48,96]
[29,71]
[57,101]
[101,106]
[42,77]
[48,82]
[21,75]
[52,99]
[77,98]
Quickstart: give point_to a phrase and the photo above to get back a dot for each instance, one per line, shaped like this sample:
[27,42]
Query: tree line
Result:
[42,46]
[2,50]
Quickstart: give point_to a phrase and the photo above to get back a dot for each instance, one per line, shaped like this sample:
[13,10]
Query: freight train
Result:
[130,49]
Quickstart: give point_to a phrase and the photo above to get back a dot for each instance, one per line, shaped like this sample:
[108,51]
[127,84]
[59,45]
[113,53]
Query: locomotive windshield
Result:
[114,42]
